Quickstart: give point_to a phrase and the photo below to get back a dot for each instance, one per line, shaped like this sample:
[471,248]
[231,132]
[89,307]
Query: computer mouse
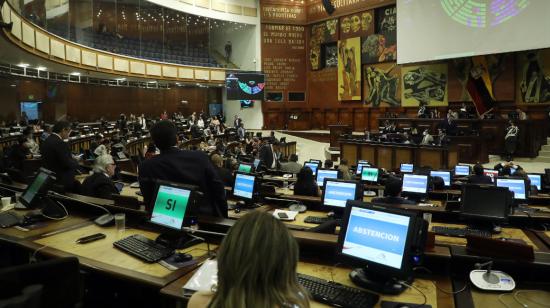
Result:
[105,220]
[237,210]
[182,257]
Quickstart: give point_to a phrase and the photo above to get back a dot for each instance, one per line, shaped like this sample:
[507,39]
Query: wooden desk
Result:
[538,292]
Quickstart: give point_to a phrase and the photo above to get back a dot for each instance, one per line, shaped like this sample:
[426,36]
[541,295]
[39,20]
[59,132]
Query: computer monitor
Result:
[517,186]
[462,170]
[536,180]
[446,175]
[318,162]
[485,203]
[246,168]
[407,168]
[369,174]
[338,192]
[244,186]
[380,240]
[313,166]
[170,206]
[493,174]
[323,174]
[363,161]
[413,183]
[256,163]
[360,167]
[39,186]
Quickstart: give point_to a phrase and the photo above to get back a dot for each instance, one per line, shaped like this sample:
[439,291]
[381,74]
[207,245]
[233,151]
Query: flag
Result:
[479,86]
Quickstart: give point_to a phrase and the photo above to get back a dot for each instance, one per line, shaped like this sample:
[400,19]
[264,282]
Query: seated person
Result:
[181,166]
[99,184]
[478,177]
[305,184]
[392,193]
[224,174]
[438,183]
[292,166]
[427,139]
[258,272]
[18,153]
[343,170]
[30,143]
[329,164]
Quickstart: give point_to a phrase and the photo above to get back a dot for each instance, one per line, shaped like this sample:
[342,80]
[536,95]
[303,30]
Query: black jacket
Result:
[99,185]
[302,188]
[480,179]
[266,156]
[225,176]
[185,167]
[57,157]
[392,200]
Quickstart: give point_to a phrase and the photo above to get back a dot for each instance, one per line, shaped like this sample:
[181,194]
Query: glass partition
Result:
[141,29]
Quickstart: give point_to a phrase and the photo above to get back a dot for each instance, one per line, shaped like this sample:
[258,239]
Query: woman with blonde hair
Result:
[257,263]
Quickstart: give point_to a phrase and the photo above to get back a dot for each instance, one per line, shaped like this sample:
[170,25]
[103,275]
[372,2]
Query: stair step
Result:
[542,159]
[545,147]
[544,152]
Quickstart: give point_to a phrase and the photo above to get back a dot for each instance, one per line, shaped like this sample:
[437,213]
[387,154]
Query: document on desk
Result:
[204,278]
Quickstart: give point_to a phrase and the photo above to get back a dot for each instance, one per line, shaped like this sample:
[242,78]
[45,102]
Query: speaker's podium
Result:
[336,131]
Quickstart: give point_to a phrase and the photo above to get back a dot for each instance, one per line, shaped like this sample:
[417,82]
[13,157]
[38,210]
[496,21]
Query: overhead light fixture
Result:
[42,68]
[23,64]
[75,73]
[152,81]
[12,85]
[120,79]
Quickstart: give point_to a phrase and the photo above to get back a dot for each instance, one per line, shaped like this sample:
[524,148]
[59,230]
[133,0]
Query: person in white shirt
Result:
[427,139]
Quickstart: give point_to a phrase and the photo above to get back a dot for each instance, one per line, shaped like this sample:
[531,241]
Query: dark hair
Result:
[293,157]
[329,164]
[305,174]
[438,183]
[60,125]
[164,134]
[506,171]
[478,169]
[344,162]
[392,187]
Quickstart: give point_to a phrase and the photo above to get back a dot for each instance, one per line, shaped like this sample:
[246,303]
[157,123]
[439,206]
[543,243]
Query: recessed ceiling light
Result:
[75,73]
[121,79]
[12,85]
[42,68]
[153,81]
[23,64]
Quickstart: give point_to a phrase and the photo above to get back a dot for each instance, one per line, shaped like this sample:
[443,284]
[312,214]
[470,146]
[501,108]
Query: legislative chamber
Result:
[270,153]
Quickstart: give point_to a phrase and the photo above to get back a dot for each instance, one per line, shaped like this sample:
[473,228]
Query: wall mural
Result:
[533,76]
[360,24]
[349,69]
[381,46]
[382,87]
[321,33]
[424,85]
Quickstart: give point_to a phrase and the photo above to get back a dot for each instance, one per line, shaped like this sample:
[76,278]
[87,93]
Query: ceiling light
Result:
[12,85]
[42,68]
[152,81]
[23,64]
[75,73]
[121,79]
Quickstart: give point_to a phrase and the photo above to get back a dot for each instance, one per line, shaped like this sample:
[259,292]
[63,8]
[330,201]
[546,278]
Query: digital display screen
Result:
[170,206]
[326,174]
[244,186]
[415,183]
[313,166]
[535,180]
[338,193]
[256,163]
[245,168]
[35,187]
[407,168]
[446,175]
[491,173]
[462,170]
[515,185]
[360,167]
[369,174]
[376,236]
[245,86]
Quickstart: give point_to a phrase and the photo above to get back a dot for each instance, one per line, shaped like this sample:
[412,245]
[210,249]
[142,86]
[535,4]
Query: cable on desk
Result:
[32,259]
[64,208]
[418,290]
[518,293]
[502,301]
[437,287]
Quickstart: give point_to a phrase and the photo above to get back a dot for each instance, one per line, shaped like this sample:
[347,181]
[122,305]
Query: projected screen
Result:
[376,236]
[338,193]
[369,174]
[535,180]
[462,170]
[312,166]
[446,175]
[515,185]
[170,206]
[442,29]
[245,86]
[326,174]
[415,183]
[244,186]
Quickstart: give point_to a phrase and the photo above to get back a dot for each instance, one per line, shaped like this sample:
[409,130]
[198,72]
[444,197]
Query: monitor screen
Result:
[369,174]
[244,186]
[245,86]
[315,161]
[462,170]
[407,168]
[338,193]
[376,236]
[446,175]
[362,161]
[536,180]
[170,206]
[513,170]
[313,166]
[415,183]
[323,174]
[491,173]
[36,186]
[360,167]
[244,168]
[494,201]
[256,163]
[515,185]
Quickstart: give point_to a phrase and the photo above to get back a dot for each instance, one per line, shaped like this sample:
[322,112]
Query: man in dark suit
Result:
[181,166]
[392,193]
[267,156]
[478,177]
[57,157]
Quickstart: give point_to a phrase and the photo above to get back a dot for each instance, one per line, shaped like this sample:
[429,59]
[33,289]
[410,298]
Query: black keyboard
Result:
[459,232]
[335,294]
[317,219]
[143,248]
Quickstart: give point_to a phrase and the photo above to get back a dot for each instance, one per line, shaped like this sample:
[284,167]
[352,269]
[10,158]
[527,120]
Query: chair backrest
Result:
[30,297]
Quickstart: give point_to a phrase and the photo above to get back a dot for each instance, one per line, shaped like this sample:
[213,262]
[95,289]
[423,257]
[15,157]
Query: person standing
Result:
[228,50]
[511,139]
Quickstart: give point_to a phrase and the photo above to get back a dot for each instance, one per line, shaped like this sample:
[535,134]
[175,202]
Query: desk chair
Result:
[60,280]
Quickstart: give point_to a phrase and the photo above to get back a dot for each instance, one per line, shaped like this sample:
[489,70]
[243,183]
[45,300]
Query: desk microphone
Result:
[490,280]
